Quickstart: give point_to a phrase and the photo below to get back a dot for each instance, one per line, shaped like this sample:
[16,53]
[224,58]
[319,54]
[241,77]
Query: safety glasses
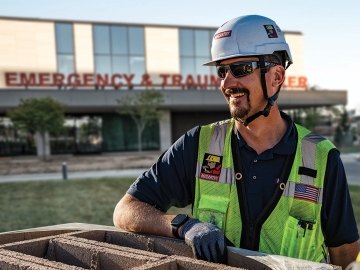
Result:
[240,69]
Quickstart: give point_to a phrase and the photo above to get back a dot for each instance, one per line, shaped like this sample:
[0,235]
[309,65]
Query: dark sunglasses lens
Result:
[237,69]
[241,69]
[221,70]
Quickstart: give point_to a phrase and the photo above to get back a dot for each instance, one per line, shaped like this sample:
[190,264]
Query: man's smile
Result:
[236,92]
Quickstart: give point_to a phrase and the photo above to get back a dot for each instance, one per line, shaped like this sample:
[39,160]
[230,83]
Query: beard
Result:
[239,113]
[238,110]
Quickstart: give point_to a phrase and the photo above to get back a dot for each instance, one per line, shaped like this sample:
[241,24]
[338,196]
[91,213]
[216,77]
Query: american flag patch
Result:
[307,193]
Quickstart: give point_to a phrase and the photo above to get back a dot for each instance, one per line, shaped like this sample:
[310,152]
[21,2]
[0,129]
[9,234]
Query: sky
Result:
[331,28]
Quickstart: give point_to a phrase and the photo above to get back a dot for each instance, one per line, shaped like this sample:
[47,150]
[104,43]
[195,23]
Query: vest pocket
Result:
[213,210]
[299,239]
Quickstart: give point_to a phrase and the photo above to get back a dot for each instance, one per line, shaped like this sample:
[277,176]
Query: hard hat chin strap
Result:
[265,112]
[271,100]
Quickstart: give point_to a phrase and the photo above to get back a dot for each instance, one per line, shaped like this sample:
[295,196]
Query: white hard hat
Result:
[248,36]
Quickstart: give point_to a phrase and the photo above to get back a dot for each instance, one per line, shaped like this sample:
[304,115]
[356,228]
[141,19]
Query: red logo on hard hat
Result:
[270,30]
[223,34]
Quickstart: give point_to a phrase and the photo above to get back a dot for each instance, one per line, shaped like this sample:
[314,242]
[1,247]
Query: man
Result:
[277,187]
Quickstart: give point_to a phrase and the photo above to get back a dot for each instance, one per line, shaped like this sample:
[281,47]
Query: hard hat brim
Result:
[214,62]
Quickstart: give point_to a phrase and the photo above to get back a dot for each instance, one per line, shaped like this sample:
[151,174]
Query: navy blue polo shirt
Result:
[171,182]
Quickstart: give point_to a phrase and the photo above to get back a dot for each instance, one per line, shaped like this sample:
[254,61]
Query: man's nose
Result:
[229,81]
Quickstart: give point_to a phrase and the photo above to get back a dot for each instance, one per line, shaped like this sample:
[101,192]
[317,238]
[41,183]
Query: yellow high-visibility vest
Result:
[294,226]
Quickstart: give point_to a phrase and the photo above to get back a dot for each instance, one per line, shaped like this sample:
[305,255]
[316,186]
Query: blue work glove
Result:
[205,239]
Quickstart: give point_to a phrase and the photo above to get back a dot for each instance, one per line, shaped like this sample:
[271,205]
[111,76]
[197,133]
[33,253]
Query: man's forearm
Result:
[344,255]
[133,215]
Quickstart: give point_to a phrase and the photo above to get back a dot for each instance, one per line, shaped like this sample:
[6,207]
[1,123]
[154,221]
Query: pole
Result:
[64,171]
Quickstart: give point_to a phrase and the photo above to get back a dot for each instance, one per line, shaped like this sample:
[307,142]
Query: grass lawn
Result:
[34,204]
[43,203]
[355,199]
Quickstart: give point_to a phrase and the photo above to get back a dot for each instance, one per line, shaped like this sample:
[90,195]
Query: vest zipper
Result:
[250,234]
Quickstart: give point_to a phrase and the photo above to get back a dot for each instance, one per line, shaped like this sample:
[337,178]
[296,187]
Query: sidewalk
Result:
[350,157]
[97,162]
[30,168]
[21,169]
[134,173]
[352,167]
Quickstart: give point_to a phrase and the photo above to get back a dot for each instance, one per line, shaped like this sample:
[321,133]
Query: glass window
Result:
[136,41]
[102,39]
[120,64]
[187,66]
[186,42]
[195,51]
[65,64]
[64,38]
[202,45]
[119,40]
[64,48]
[212,33]
[200,69]
[212,68]
[119,134]
[137,67]
[120,49]
[103,64]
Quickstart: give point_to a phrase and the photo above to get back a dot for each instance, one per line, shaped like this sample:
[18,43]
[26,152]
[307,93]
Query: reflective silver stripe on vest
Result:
[227,176]
[216,147]
[309,154]
[289,191]
[217,142]
[308,148]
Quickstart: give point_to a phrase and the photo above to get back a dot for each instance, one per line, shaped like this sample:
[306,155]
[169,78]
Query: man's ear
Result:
[279,75]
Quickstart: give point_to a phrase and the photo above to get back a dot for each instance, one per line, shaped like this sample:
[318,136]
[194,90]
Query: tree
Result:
[312,117]
[40,117]
[343,136]
[308,117]
[143,108]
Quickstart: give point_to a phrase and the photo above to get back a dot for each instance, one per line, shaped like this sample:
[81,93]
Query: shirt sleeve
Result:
[171,180]
[338,220]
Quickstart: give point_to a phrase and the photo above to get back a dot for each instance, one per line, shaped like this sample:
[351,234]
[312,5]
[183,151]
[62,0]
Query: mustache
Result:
[230,91]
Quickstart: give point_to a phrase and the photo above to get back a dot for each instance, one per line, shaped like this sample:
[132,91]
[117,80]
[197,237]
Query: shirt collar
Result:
[286,146]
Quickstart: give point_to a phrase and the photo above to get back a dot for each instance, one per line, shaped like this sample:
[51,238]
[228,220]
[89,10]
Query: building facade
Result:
[90,66]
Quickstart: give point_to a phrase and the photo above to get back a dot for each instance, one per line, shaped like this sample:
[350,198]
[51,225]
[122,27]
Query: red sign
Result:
[116,81]
[119,81]
[292,82]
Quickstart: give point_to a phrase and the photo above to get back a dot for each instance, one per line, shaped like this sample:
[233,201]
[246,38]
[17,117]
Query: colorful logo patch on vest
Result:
[270,30]
[306,192]
[211,167]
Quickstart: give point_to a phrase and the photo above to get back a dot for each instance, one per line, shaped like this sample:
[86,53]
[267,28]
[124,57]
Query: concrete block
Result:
[158,244]
[78,246]
[15,260]
[95,235]
[11,237]
[184,263]
[92,255]
[115,248]
[37,248]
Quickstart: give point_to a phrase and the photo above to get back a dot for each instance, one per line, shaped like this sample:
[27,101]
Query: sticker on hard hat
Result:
[223,34]
[211,167]
[270,30]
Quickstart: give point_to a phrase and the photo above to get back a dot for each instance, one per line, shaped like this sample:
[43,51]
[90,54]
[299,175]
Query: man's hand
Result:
[205,239]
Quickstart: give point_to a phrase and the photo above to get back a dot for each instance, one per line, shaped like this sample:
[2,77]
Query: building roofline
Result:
[120,23]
